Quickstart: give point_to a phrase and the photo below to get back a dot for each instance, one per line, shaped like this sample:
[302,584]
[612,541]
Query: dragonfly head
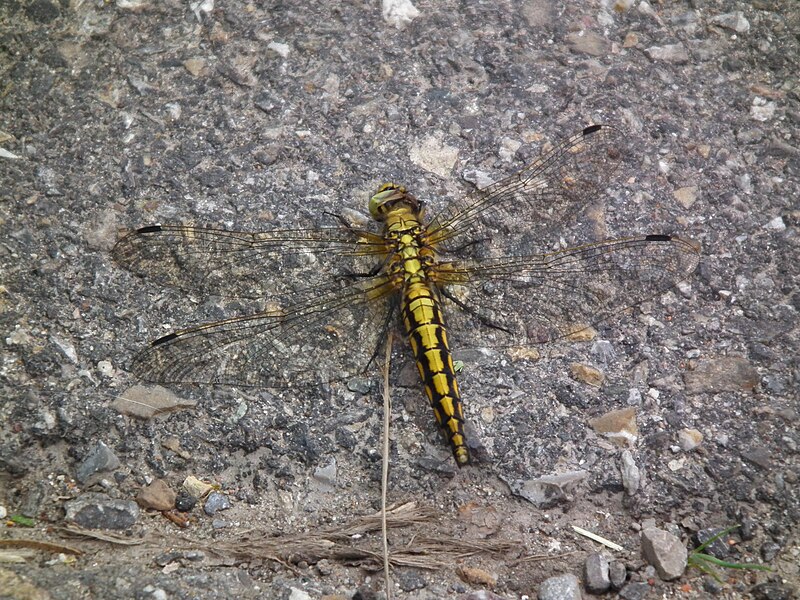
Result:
[387,197]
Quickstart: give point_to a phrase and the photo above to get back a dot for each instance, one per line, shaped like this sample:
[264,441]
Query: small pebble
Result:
[410,580]
[777,224]
[157,496]
[689,439]
[712,586]
[665,552]
[215,503]
[560,587]
[631,476]
[617,573]
[587,374]
[596,576]
[619,426]
[634,591]
[185,502]
[327,474]
[99,459]
[98,511]
[769,550]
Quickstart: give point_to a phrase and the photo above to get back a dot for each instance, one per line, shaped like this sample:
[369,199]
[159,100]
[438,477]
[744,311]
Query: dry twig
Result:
[387,409]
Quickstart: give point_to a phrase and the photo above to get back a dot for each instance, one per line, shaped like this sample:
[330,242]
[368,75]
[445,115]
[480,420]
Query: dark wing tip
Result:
[592,129]
[658,237]
[164,339]
[149,229]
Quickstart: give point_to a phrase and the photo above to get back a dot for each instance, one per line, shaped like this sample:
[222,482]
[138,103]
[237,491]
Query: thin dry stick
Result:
[387,408]
[39,545]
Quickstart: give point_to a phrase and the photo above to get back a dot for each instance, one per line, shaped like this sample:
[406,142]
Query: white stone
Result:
[281,49]
[399,13]
[777,224]
[298,594]
[433,155]
[762,109]
[734,21]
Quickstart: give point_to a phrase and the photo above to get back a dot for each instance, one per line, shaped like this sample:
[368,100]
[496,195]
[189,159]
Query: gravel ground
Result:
[252,116]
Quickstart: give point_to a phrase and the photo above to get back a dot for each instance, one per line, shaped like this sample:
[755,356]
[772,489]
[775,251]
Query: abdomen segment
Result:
[424,323]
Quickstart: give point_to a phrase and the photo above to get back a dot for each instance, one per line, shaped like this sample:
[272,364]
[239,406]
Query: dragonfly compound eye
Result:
[384,198]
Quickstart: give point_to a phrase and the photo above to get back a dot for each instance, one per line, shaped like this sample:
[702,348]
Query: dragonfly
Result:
[473,274]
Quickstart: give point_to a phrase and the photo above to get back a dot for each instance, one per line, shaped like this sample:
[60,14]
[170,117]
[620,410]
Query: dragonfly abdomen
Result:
[424,324]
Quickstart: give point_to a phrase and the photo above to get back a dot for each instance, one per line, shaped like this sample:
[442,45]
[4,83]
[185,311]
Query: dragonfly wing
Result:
[330,332]
[243,264]
[531,204]
[539,298]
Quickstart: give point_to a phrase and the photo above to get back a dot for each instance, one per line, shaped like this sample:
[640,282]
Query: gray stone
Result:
[744,181]
[734,21]
[617,573]
[100,511]
[326,475]
[33,500]
[665,552]
[560,587]
[550,490]
[634,591]
[162,560]
[759,456]
[631,476]
[100,459]
[712,586]
[483,595]
[596,577]
[747,530]
[772,590]
[689,21]
[769,550]
[718,548]
[410,580]
[726,374]
[604,351]
[42,11]
[751,135]
[587,42]
[359,385]
[672,53]
[215,503]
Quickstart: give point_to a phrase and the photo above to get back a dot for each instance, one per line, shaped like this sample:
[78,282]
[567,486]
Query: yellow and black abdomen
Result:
[424,323]
[408,268]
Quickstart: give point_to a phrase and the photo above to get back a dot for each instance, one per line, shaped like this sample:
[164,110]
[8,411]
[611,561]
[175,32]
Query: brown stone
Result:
[158,496]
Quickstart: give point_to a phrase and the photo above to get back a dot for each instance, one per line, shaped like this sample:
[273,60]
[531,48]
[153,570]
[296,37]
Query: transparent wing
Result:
[534,299]
[245,265]
[330,332]
[527,208]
